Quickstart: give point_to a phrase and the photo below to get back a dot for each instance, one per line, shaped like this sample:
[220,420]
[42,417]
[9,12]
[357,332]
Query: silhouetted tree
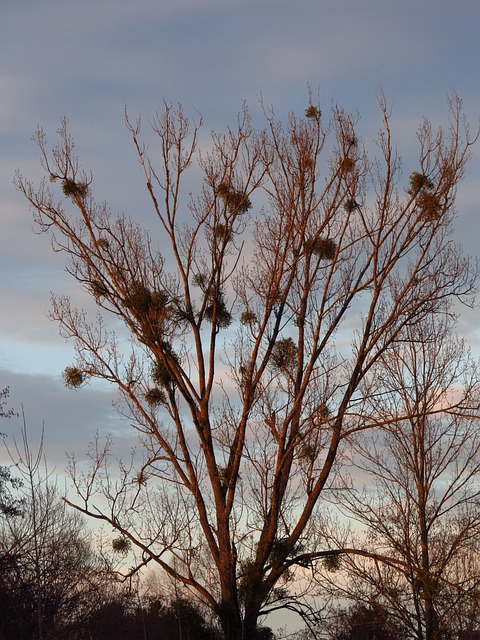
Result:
[127,615]
[49,572]
[366,622]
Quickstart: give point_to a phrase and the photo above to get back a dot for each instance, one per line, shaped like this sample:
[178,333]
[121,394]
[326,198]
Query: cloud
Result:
[70,418]
[13,105]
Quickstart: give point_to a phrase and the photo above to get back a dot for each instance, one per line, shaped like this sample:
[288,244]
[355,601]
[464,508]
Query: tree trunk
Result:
[431,620]
[236,627]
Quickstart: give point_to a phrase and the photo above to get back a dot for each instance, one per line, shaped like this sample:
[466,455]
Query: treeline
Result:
[56,583]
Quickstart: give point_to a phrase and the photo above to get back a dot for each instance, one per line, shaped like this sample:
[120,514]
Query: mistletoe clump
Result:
[73,377]
[248,317]
[161,374]
[419,182]
[155,397]
[98,290]
[235,200]
[74,189]
[332,562]
[351,205]
[428,202]
[217,310]
[284,354]
[323,248]
[313,113]
[121,545]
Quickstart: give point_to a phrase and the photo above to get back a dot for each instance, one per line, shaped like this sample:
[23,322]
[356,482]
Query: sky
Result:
[89,60]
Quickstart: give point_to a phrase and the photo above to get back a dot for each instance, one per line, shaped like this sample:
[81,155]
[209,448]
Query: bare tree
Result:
[49,571]
[420,506]
[254,330]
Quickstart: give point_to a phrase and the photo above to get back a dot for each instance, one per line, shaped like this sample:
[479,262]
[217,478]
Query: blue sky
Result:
[89,59]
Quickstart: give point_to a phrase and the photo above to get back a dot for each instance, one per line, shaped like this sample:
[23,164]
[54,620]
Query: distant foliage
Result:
[366,622]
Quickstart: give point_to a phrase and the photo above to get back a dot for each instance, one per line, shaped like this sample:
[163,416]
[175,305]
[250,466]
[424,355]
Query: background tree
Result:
[49,574]
[10,507]
[126,614]
[365,622]
[236,377]
[420,503]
